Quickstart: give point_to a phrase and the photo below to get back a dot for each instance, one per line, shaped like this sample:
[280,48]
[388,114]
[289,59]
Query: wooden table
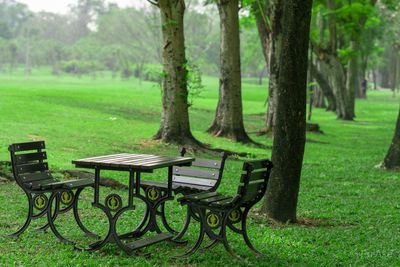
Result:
[135,164]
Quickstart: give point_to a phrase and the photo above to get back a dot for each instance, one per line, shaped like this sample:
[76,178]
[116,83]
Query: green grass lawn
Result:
[350,210]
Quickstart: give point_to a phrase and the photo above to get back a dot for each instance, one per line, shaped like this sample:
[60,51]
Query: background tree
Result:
[289,135]
[175,127]
[392,158]
[228,120]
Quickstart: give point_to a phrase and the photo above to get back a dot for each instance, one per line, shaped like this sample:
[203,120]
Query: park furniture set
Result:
[195,179]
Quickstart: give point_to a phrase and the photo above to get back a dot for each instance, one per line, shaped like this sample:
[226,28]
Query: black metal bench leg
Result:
[76,215]
[28,219]
[185,227]
[50,220]
[198,242]
[225,240]
[164,220]
[47,225]
[246,237]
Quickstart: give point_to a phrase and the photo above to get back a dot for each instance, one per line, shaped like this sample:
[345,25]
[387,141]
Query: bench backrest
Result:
[254,180]
[28,162]
[203,173]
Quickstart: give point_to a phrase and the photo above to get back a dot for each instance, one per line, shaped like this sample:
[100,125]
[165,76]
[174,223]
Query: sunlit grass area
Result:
[350,210]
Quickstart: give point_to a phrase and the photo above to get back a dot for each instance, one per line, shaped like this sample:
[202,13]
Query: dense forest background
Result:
[96,36]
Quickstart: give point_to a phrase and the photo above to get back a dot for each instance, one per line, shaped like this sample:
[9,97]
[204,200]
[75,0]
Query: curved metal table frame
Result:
[135,164]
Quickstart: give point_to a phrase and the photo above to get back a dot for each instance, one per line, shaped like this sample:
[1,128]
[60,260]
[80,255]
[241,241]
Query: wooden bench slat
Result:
[29,157]
[205,163]
[257,164]
[200,196]
[31,177]
[214,199]
[27,146]
[188,171]
[37,185]
[189,187]
[35,167]
[254,176]
[223,202]
[194,181]
[71,184]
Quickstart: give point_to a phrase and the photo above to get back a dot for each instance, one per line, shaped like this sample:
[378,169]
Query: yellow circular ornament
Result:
[40,201]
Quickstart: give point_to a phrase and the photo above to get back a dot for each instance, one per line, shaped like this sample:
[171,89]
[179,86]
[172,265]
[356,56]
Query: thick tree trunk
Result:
[228,120]
[175,127]
[392,159]
[324,86]
[289,134]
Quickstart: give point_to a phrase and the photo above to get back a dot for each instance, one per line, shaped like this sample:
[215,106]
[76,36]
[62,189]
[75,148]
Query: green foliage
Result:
[194,82]
[79,67]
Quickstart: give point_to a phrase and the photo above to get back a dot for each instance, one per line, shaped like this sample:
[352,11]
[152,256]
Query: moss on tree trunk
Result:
[289,134]
[175,127]
[228,120]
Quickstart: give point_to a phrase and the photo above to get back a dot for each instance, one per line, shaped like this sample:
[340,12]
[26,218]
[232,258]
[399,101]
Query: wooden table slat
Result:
[116,159]
[132,161]
[102,157]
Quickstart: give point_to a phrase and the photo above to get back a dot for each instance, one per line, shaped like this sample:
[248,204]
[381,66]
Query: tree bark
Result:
[289,134]
[319,98]
[276,14]
[228,120]
[353,83]
[261,10]
[392,158]
[325,87]
[175,127]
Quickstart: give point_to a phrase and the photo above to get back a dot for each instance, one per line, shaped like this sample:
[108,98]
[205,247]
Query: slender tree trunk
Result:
[324,86]
[353,79]
[276,14]
[175,126]
[319,97]
[289,133]
[374,78]
[28,53]
[228,120]
[261,10]
[392,159]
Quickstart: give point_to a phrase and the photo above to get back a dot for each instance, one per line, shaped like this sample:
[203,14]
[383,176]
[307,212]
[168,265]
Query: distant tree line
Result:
[94,36]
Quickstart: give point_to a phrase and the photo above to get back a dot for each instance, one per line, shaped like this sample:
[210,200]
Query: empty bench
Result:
[31,173]
[204,175]
[217,212]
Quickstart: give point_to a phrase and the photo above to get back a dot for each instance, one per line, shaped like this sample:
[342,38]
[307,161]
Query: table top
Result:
[126,161]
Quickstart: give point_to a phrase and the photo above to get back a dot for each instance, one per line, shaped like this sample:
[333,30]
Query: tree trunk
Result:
[276,14]
[325,87]
[228,120]
[27,52]
[319,98]
[353,79]
[374,78]
[175,127]
[392,159]
[344,102]
[289,133]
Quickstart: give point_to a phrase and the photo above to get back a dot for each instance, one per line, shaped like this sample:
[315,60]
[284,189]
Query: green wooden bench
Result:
[32,174]
[216,211]
[204,175]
